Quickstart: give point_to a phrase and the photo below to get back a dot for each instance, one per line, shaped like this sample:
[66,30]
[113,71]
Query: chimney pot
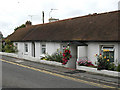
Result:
[28,23]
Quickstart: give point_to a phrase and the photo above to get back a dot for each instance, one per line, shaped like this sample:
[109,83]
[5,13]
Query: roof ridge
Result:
[94,14]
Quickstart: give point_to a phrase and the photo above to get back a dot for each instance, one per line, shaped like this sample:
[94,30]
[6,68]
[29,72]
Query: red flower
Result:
[66,56]
[63,54]
[63,59]
[66,51]
[63,63]
[69,51]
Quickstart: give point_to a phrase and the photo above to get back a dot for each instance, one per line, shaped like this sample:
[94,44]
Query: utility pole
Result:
[43,16]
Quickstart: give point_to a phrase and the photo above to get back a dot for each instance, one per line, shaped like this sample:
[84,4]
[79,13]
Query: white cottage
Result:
[87,35]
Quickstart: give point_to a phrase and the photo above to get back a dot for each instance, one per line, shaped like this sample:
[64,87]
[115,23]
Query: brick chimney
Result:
[28,23]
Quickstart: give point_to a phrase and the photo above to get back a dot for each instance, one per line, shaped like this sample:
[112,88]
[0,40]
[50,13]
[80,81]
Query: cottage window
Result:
[43,49]
[108,52]
[26,47]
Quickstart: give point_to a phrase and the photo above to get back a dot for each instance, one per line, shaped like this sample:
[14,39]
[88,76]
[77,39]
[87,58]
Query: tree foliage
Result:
[9,47]
[21,26]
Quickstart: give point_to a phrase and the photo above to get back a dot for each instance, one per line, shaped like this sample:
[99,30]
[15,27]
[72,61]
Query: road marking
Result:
[62,76]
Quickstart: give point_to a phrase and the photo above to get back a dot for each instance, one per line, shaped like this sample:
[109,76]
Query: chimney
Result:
[28,23]
[53,19]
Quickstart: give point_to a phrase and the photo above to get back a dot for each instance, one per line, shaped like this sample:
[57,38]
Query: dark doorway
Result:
[33,49]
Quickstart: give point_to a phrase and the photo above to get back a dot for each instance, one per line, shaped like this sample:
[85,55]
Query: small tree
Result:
[9,47]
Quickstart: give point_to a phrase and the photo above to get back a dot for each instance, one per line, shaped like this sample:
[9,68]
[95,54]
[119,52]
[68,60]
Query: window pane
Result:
[112,56]
[43,50]
[109,55]
[43,45]
[26,47]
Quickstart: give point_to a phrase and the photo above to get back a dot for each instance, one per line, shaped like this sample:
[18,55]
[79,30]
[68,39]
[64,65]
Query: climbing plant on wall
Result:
[66,55]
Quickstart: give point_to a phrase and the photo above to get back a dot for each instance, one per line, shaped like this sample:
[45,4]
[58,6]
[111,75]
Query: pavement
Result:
[83,75]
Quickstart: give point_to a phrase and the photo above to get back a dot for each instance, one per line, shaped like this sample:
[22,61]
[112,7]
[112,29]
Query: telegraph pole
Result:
[43,16]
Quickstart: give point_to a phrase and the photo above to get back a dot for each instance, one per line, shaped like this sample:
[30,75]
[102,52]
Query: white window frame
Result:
[109,48]
[26,48]
[43,46]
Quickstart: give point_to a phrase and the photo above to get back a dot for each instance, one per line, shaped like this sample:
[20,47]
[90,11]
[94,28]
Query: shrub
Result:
[9,47]
[54,57]
[3,48]
[112,67]
[103,63]
[118,68]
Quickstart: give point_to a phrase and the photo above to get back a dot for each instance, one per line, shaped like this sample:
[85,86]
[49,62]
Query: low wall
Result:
[84,68]
[103,72]
[34,59]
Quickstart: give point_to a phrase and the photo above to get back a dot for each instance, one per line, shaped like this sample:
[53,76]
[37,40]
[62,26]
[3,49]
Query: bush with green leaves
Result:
[9,47]
[55,57]
[3,48]
[118,68]
[112,67]
[102,63]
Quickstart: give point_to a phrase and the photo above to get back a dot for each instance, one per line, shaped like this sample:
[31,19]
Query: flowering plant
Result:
[103,62]
[85,63]
[9,47]
[66,55]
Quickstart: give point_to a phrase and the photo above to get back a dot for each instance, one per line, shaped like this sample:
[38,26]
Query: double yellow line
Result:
[58,75]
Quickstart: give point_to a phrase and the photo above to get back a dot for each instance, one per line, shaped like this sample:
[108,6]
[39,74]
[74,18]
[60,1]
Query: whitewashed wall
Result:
[93,48]
[21,48]
[37,50]
[82,51]
[51,47]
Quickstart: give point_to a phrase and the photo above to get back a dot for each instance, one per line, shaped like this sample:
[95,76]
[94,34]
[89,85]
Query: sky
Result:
[14,13]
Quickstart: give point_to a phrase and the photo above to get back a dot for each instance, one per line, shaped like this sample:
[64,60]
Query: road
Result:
[20,76]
